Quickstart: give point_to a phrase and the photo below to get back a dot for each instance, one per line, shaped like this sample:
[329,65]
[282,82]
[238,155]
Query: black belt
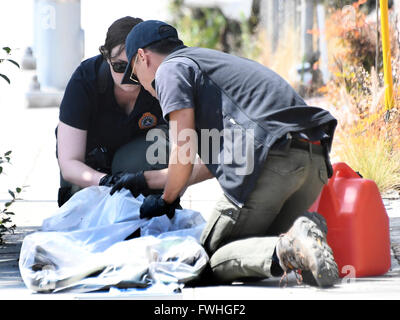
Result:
[283,145]
[307,146]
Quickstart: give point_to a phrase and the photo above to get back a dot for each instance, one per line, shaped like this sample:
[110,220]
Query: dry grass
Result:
[366,139]
[372,154]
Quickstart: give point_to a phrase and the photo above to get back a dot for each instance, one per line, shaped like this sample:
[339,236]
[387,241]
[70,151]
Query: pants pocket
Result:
[285,166]
[219,229]
[323,175]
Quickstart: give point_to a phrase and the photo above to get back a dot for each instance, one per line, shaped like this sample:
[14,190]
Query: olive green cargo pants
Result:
[241,241]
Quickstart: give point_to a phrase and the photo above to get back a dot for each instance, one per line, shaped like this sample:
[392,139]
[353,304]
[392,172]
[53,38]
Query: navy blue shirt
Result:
[91,106]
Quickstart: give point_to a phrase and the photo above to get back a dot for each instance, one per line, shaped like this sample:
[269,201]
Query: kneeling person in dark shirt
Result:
[101,135]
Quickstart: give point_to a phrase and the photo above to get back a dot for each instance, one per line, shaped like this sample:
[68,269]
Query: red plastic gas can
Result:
[358,225]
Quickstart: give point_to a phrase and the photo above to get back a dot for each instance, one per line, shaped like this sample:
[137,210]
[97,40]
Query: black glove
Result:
[135,182]
[155,206]
[110,179]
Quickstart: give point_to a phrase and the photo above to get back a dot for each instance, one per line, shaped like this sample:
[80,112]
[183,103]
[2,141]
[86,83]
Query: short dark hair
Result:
[165,46]
[116,35]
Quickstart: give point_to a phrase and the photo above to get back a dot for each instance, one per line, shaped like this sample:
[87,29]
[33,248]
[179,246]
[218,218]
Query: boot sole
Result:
[325,274]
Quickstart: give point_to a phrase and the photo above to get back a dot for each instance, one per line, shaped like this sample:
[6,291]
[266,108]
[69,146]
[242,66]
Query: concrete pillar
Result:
[323,47]
[58,41]
[291,14]
[269,18]
[290,25]
[307,23]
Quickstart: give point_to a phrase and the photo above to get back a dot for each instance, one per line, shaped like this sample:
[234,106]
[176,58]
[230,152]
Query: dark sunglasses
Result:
[119,67]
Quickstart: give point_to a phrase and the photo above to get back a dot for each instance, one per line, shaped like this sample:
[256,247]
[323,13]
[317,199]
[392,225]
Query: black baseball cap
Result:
[142,35]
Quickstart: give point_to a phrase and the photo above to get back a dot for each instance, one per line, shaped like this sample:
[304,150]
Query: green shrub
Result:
[6,224]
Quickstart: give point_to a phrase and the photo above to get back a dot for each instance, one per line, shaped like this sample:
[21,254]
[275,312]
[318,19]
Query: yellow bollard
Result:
[387,63]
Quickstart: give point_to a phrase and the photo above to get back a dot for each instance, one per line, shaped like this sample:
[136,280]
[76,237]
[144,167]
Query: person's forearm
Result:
[177,180]
[157,179]
[80,174]
[200,173]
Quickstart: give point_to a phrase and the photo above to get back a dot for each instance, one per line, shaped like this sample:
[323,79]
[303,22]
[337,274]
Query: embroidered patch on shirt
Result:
[147,120]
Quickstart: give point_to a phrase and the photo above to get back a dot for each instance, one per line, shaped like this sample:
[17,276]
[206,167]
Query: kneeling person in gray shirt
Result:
[267,148]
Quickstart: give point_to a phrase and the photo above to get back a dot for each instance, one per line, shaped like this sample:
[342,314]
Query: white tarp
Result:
[82,247]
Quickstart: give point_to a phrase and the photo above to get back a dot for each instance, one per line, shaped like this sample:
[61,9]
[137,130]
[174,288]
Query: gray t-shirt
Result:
[175,84]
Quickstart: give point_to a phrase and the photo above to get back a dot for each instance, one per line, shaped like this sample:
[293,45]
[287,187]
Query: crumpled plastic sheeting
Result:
[82,247]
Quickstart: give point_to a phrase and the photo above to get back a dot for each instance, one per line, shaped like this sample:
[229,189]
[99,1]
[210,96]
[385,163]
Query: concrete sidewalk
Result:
[381,287]
[29,133]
